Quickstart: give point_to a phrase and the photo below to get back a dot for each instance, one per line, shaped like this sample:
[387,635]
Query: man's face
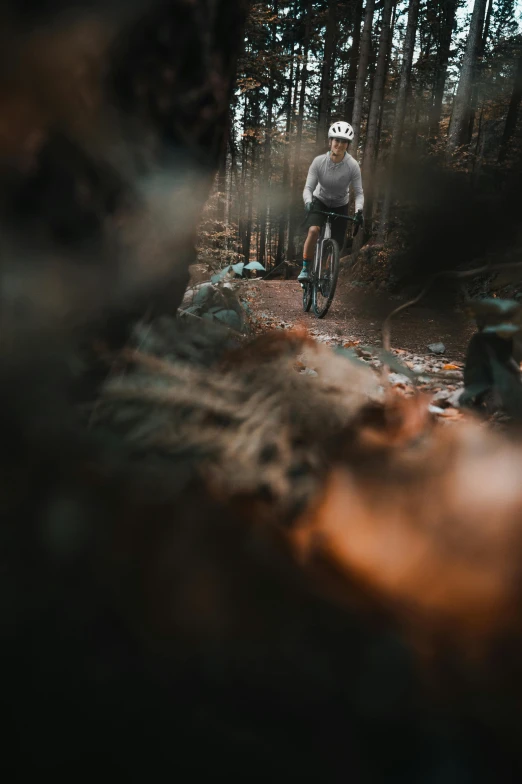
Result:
[338,146]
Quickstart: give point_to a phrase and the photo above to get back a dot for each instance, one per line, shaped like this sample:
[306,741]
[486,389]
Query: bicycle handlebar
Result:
[336,215]
[333,215]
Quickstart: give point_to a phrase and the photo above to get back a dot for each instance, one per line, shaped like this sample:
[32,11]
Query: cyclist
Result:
[327,188]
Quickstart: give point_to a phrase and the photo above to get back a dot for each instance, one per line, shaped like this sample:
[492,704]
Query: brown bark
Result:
[477,77]
[283,212]
[221,185]
[511,118]
[388,54]
[362,69]
[265,185]
[325,91]
[296,184]
[400,111]
[370,147]
[129,93]
[247,242]
[457,128]
[354,59]
[242,190]
[448,12]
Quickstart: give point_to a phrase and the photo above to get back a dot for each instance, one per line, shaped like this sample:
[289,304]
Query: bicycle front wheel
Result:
[326,281]
[307,295]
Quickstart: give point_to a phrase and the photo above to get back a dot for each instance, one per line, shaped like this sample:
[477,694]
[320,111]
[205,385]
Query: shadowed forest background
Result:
[433,91]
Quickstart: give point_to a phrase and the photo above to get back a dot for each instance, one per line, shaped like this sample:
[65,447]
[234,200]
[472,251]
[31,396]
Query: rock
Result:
[452,373]
[419,369]
[437,348]
[441,396]
[205,293]
[453,398]
[398,378]
[189,295]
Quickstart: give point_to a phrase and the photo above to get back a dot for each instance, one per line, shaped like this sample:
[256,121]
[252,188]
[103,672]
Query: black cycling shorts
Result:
[338,226]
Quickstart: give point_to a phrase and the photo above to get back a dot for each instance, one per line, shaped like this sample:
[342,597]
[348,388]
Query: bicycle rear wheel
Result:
[325,283]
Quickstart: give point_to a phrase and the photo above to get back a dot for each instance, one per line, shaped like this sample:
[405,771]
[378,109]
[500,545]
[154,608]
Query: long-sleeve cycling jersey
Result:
[330,182]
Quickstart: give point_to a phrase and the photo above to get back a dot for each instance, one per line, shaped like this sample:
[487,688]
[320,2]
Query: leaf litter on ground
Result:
[406,371]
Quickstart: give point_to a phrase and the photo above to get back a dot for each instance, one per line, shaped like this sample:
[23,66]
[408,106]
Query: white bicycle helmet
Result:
[341,130]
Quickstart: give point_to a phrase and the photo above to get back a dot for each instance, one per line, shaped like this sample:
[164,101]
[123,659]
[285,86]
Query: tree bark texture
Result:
[463,96]
[126,109]
[400,111]
[325,92]
[362,70]
[370,147]
[265,185]
[283,212]
[448,10]
[477,77]
[386,67]
[514,106]
[297,185]
[354,59]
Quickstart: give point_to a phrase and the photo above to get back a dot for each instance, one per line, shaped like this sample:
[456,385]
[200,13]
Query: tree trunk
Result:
[265,185]
[253,164]
[361,74]
[141,53]
[297,185]
[248,228]
[387,65]
[221,185]
[400,111]
[448,14]
[242,190]
[463,96]
[325,90]
[354,59]
[477,77]
[479,150]
[514,105]
[295,95]
[370,147]
[283,216]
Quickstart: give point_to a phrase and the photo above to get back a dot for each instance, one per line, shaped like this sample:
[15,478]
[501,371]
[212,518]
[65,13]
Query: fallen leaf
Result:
[451,413]
[450,366]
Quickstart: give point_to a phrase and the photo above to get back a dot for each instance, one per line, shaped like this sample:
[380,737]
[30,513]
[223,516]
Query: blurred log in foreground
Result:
[236,566]
[113,120]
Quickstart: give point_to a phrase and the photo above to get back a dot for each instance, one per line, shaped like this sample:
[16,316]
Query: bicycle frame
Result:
[325,234]
[315,284]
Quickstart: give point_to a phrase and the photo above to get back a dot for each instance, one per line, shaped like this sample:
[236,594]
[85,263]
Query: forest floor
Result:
[355,321]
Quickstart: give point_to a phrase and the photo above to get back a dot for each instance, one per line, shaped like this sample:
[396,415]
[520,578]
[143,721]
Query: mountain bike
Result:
[319,289]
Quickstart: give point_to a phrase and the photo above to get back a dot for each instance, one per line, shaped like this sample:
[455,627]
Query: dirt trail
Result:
[358,315]
[355,321]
